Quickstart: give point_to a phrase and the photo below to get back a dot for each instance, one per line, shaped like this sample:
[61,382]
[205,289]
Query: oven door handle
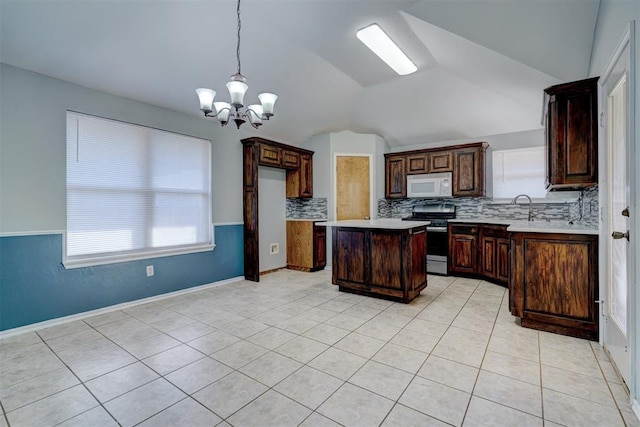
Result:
[437,229]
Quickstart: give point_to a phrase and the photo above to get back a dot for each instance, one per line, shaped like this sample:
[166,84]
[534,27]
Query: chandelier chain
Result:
[238,45]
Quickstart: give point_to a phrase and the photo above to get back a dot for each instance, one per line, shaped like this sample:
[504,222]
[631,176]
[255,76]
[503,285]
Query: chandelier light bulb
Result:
[206,98]
[267,100]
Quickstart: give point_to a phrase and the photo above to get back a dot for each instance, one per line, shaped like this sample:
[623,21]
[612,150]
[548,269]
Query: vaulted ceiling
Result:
[482,64]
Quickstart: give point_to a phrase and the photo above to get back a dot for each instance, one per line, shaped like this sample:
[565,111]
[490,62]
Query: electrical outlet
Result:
[274,248]
[150,271]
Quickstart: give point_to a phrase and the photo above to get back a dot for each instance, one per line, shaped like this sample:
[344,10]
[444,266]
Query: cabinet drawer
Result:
[440,162]
[471,230]
[290,159]
[270,156]
[416,164]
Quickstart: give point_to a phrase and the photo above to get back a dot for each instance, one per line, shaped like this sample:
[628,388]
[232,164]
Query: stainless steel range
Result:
[437,242]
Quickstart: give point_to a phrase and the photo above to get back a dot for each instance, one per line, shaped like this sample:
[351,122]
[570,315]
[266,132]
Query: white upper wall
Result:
[33,147]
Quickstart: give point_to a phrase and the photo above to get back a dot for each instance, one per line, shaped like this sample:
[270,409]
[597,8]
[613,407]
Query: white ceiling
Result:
[482,64]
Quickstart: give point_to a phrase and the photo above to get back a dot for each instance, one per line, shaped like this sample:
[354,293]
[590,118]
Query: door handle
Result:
[619,235]
[625,212]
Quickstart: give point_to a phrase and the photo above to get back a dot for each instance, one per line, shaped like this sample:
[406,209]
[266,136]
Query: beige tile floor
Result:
[292,350]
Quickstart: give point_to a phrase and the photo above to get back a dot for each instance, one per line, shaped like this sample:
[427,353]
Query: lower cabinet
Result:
[479,250]
[553,283]
[463,249]
[380,262]
[494,253]
[306,246]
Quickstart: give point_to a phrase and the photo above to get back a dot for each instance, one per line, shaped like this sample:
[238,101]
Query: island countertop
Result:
[390,224]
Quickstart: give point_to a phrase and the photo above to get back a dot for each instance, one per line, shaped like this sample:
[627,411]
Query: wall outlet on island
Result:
[274,248]
[150,271]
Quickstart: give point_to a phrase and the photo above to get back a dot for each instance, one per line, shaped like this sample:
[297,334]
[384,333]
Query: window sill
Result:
[115,259]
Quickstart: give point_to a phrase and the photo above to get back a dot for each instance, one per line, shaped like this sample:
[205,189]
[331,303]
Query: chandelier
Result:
[237,86]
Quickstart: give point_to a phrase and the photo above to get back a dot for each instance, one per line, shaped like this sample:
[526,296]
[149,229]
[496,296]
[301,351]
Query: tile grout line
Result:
[81,382]
[615,401]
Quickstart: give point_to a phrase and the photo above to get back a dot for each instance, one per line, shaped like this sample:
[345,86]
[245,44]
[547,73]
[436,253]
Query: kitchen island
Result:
[380,258]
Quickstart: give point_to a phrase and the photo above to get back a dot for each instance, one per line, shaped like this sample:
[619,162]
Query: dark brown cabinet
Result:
[290,159]
[463,249]
[385,263]
[553,283]
[466,162]
[416,164]
[306,246]
[395,177]
[441,161]
[479,250]
[572,135]
[468,172]
[300,181]
[263,152]
[270,156]
[494,253]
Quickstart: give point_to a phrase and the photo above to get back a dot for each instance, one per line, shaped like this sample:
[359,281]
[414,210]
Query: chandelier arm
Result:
[208,113]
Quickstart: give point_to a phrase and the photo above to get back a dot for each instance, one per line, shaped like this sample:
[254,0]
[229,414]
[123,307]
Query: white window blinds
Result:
[519,171]
[134,192]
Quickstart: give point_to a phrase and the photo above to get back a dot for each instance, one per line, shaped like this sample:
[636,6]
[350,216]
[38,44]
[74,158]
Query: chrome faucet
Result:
[515,199]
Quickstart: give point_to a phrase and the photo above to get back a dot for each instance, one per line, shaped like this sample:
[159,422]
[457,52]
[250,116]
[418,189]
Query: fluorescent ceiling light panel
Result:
[380,43]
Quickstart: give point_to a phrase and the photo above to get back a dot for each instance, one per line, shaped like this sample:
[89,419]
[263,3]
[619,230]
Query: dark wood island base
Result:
[381,259]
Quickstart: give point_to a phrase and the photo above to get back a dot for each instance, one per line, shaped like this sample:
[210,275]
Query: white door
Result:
[616,120]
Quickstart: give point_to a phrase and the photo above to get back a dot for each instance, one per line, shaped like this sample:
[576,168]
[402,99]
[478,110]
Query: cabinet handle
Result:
[625,212]
[619,235]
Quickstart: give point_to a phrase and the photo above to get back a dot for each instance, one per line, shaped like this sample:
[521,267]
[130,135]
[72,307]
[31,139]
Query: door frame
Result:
[373,211]
[633,307]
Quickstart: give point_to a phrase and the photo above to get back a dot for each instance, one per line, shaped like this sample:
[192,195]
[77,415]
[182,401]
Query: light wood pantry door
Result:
[353,187]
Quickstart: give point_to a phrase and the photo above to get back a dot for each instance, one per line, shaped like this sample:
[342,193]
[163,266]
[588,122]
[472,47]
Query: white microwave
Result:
[429,185]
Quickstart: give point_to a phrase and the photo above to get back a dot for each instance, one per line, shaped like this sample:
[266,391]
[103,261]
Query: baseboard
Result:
[79,316]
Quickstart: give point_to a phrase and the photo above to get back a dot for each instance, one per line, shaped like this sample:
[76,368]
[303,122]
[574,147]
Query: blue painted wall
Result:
[34,285]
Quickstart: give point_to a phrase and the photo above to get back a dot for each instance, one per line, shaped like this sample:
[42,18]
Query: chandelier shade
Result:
[237,87]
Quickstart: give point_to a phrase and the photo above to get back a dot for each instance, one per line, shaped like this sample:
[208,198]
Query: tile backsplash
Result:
[314,208]
[583,211]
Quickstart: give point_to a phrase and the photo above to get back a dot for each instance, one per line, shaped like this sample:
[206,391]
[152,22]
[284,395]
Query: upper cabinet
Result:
[440,161]
[466,162]
[300,180]
[468,171]
[572,135]
[297,161]
[395,176]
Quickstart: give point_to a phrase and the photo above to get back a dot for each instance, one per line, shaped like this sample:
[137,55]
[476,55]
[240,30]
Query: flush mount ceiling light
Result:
[379,42]
[237,87]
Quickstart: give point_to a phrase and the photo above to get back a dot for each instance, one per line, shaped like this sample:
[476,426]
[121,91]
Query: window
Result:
[134,192]
[519,171]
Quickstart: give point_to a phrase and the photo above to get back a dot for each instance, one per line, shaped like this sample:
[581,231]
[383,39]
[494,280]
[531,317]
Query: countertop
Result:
[388,223]
[305,219]
[561,227]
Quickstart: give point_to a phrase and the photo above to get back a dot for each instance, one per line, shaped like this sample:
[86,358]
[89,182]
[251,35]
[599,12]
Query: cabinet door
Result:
[319,247]
[416,163]
[468,173]
[300,181]
[270,156]
[488,256]
[462,257]
[440,162]
[306,176]
[572,135]
[395,177]
[545,295]
[502,260]
[290,159]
